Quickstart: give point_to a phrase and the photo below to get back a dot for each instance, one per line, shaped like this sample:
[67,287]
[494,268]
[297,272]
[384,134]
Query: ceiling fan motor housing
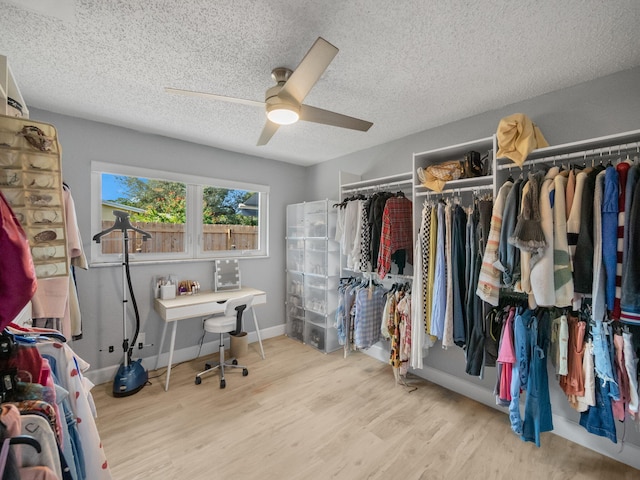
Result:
[282,110]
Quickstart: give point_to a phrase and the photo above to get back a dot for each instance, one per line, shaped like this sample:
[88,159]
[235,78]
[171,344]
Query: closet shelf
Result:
[454,185]
[383,183]
[584,149]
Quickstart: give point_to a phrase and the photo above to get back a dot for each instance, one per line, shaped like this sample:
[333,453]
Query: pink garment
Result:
[507,357]
[10,417]
[52,298]
[619,406]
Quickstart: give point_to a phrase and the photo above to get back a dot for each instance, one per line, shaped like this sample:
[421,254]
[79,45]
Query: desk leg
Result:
[164,332]
[173,343]
[255,322]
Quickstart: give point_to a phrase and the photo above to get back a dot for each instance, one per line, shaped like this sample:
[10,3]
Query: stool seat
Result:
[229,322]
[220,324]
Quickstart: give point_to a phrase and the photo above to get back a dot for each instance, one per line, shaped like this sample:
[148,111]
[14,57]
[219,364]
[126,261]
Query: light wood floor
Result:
[301,414]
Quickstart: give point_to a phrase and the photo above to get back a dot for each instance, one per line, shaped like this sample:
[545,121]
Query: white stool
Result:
[230,321]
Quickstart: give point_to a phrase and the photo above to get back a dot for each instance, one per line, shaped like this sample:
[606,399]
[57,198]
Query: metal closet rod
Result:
[453,191]
[593,154]
[380,186]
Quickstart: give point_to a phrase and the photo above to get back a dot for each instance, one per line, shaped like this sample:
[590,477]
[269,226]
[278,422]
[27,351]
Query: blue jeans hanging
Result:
[532,337]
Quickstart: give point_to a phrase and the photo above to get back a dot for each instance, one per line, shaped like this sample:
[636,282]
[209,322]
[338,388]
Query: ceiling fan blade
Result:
[318,115]
[267,132]
[213,96]
[312,66]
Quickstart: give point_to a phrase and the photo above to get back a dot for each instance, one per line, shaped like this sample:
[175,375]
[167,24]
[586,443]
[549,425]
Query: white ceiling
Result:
[406,66]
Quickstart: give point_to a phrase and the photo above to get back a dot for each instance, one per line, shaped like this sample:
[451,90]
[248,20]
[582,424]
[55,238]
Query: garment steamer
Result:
[131,376]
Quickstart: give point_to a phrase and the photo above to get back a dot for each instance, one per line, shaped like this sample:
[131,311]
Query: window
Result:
[186,216]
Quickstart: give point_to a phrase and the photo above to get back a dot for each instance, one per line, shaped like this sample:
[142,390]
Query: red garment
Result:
[17,273]
[397,232]
[622,169]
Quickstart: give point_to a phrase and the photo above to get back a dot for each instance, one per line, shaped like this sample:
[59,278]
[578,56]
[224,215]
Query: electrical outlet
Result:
[141,340]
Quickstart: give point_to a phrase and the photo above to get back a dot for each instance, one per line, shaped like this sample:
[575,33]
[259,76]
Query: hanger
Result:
[510,179]
[122,223]
[27,334]
[26,440]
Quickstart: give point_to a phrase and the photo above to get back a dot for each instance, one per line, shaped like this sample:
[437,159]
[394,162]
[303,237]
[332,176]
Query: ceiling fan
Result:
[283,102]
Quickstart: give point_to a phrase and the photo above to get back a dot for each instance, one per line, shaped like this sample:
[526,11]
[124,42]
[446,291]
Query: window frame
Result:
[195,186]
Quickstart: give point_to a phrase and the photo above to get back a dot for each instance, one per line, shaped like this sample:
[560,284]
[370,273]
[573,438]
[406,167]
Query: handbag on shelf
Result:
[474,165]
[434,177]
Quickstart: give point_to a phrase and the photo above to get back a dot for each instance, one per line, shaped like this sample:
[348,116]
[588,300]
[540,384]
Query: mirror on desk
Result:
[227,275]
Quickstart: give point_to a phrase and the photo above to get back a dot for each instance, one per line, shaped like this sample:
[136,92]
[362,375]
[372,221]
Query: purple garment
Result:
[610,233]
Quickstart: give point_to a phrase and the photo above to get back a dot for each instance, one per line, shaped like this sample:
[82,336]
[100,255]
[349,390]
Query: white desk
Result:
[198,305]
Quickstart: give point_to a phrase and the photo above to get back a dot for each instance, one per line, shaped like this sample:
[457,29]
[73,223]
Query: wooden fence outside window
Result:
[169,237]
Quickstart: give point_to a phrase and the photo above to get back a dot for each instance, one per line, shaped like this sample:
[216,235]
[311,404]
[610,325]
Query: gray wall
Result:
[100,288]
[597,108]
[601,107]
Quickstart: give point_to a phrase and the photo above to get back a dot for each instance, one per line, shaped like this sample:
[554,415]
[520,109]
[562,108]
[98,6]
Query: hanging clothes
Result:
[440,280]
[619,406]
[630,301]
[17,272]
[458,249]
[447,333]
[562,276]
[537,408]
[509,254]
[489,281]
[573,228]
[56,297]
[506,358]
[417,312]
[475,333]
[542,265]
[404,327]
[431,277]
[472,272]
[609,215]
[396,233]
[583,259]
[365,237]
[376,212]
[598,419]
[597,292]
[582,403]
[631,364]
[623,170]
[531,337]
[369,305]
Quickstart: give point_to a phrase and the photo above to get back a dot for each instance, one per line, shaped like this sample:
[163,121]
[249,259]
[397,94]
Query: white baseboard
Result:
[106,374]
[626,453]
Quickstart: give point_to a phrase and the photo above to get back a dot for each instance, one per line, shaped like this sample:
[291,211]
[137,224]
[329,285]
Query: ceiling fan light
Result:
[283,115]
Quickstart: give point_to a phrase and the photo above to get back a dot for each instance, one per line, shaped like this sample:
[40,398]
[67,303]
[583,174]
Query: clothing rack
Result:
[591,154]
[454,191]
[397,276]
[378,184]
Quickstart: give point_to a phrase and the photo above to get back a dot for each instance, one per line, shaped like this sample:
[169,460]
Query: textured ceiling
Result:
[406,66]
